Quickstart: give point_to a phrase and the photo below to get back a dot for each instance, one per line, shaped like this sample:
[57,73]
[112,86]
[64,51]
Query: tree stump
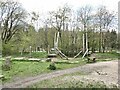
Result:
[93,59]
[7,64]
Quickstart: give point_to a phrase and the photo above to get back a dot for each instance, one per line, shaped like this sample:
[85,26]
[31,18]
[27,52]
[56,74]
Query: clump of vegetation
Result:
[8,49]
[52,66]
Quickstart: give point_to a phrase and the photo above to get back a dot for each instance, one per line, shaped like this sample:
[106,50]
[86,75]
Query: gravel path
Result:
[108,68]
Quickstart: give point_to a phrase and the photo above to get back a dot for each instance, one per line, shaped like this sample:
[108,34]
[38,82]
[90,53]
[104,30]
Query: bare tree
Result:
[12,16]
[84,17]
[104,20]
[46,35]
[59,17]
[35,20]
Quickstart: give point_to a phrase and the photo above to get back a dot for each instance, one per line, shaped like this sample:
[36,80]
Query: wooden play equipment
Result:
[59,52]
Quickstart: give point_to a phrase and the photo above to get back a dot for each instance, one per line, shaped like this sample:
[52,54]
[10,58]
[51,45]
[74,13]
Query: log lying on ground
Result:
[48,59]
[1,76]
[20,58]
[32,59]
[52,55]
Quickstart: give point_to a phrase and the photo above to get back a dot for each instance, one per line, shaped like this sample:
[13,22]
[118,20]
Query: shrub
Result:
[52,66]
[9,49]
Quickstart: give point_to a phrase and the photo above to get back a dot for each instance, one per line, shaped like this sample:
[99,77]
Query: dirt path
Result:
[108,69]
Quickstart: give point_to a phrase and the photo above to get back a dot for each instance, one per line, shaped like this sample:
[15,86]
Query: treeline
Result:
[78,30]
[70,46]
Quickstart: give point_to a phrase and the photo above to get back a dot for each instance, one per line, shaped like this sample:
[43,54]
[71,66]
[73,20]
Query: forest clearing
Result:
[65,48]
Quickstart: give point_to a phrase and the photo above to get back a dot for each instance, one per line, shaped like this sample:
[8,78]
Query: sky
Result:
[43,6]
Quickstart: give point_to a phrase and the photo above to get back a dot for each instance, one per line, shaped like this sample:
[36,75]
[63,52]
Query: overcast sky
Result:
[43,6]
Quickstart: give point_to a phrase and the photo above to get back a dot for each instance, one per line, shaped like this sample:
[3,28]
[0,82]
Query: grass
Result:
[63,64]
[39,54]
[0,67]
[108,55]
[67,81]
[33,54]
[24,69]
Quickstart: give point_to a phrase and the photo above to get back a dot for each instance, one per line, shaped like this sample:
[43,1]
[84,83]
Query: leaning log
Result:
[61,54]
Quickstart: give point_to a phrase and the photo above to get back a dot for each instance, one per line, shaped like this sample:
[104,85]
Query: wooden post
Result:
[30,51]
[86,42]
[21,51]
[55,40]
[36,49]
[48,49]
[83,43]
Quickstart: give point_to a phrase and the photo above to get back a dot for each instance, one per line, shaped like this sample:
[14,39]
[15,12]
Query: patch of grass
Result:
[104,60]
[107,55]
[69,82]
[33,54]
[24,69]
[39,54]
[63,64]
[0,67]
[18,54]
[76,73]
